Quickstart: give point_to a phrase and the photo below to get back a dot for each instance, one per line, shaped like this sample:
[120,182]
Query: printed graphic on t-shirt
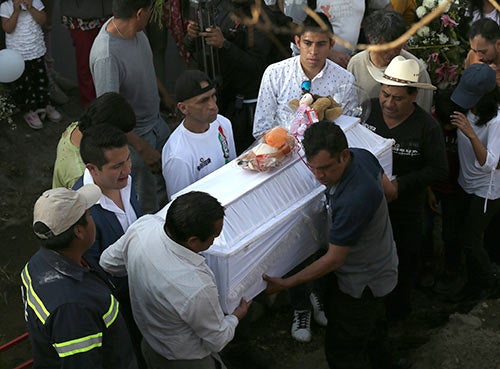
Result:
[411,148]
[334,11]
[203,163]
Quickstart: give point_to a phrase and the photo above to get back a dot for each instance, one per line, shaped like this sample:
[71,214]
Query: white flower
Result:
[443,38]
[429,4]
[421,11]
[423,32]
[447,8]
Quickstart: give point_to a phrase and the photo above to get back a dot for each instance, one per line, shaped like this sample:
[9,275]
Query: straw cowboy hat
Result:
[400,72]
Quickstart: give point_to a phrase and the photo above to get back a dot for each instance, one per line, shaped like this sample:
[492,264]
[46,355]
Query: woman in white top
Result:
[478,138]
[22,21]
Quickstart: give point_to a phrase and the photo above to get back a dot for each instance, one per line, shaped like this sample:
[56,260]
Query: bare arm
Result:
[460,121]
[151,157]
[332,260]
[38,15]
[9,24]
[167,100]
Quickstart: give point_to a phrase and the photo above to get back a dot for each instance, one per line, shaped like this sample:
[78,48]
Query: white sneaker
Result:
[301,326]
[52,114]
[33,120]
[318,310]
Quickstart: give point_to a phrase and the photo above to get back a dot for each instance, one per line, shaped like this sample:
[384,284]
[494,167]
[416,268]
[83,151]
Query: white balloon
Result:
[11,65]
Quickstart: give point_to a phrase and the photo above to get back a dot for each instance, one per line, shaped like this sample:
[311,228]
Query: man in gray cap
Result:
[203,142]
[73,319]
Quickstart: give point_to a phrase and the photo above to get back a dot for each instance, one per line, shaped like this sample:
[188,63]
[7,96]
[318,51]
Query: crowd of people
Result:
[115,286]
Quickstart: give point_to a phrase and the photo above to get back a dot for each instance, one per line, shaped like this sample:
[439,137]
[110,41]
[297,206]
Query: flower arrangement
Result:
[442,43]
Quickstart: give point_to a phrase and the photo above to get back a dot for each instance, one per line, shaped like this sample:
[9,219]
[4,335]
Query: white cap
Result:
[60,208]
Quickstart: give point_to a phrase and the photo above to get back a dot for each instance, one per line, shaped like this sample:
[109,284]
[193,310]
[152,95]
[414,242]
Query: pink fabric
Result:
[172,17]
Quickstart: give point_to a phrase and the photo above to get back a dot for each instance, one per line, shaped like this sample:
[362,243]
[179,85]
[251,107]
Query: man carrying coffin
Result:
[174,297]
[360,263]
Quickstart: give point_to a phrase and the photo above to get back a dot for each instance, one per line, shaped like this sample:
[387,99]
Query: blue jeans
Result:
[150,187]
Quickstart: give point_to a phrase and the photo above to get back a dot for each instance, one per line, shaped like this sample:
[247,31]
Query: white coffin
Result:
[273,220]
[271,224]
[360,136]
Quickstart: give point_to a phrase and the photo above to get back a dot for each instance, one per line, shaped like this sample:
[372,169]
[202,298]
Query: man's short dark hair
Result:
[125,9]
[324,135]
[310,25]
[97,140]
[110,108]
[486,28]
[193,214]
[383,26]
[61,241]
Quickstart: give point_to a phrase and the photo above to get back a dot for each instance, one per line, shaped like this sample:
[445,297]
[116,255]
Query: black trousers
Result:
[31,91]
[407,231]
[474,223]
[356,335]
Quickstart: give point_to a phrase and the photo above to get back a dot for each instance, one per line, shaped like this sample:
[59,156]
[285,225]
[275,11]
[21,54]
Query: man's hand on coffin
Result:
[242,309]
[275,284]
[332,260]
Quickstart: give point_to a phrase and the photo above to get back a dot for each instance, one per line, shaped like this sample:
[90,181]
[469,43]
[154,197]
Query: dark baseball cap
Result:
[476,81]
[188,84]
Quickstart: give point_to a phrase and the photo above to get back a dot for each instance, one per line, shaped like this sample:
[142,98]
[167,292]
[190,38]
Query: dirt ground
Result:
[436,335]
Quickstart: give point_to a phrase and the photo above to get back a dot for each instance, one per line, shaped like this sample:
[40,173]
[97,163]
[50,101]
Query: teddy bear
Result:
[325,107]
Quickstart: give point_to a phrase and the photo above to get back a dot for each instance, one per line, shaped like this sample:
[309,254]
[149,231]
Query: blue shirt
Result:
[360,220]
[73,319]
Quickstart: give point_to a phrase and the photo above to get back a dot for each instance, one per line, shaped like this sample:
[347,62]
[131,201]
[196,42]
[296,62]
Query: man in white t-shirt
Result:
[203,142]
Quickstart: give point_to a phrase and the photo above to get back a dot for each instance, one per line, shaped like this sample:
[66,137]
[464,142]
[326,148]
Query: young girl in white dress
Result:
[22,21]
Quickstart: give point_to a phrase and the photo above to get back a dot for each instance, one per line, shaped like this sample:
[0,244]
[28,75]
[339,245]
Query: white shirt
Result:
[481,180]
[281,83]
[173,292]
[188,156]
[27,37]
[345,17]
[125,218]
